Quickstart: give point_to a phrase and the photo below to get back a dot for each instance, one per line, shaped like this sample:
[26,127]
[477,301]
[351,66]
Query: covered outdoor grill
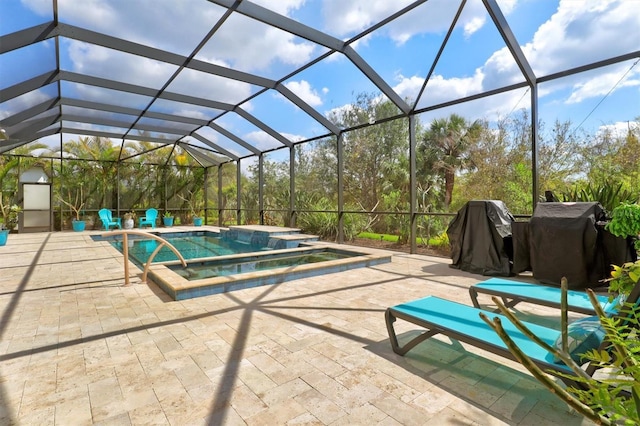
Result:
[569,240]
[480,238]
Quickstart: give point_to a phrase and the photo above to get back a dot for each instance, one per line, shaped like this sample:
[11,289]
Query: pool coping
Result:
[179,288]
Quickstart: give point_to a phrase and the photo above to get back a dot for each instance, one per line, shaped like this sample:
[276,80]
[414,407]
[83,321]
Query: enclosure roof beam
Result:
[11,144]
[201,157]
[131,111]
[4,147]
[87,132]
[234,138]
[215,146]
[141,90]
[276,20]
[27,36]
[123,124]
[284,90]
[81,34]
[473,97]
[27,86]
[34,126]
[172,58]
[510,39]
[375,78]
[591,66]
[284,23]
[29,113]
[262,126]
[48,30]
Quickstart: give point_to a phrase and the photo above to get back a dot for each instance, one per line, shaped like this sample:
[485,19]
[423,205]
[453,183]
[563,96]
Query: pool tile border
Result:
[179,288]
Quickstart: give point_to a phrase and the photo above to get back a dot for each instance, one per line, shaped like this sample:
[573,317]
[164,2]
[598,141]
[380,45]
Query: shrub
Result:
[625,222]
[608,195]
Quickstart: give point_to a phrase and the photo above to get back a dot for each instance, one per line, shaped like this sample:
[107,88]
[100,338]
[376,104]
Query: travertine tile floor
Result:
[77,347]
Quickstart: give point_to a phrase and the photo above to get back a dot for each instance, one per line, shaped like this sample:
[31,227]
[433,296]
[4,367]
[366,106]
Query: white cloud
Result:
[348,18]
[573,36]
[304,90]
[261,140]
[241,42]
[579,35]
[207,86]
[250,47]
[248,163]
[618,129]
[507,6]
[293,138]
[338,111]
[102,62]
[283,7]
[20,103]
[600,86]
[409,87]
[440,89]
[143,21]
[576,36]
[473,25]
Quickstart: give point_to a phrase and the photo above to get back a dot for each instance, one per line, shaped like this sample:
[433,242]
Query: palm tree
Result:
[444,148]
[102,154]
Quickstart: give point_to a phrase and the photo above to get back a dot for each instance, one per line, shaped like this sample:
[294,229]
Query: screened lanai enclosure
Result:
[333,116]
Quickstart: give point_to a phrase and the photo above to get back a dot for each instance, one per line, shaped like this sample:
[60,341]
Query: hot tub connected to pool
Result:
[242,257]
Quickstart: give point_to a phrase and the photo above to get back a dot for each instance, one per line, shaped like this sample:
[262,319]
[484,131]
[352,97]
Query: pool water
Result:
[190,247]
[218,268]
[239,258]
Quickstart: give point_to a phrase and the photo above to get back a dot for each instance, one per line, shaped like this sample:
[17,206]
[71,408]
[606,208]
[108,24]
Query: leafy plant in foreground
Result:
[625,222]
[612,399]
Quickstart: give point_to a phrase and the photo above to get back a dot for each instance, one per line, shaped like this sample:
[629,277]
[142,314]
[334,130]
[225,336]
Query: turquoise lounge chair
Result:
[463,323]
[514,292]
[108,220]
[149,218]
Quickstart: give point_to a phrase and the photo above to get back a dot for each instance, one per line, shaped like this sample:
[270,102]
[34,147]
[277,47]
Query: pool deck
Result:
[78,347]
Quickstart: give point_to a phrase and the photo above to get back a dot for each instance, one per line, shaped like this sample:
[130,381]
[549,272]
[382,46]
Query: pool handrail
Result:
[125,250]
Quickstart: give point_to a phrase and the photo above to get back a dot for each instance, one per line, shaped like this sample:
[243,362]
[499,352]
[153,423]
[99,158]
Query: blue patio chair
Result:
[149,218]
[108,220]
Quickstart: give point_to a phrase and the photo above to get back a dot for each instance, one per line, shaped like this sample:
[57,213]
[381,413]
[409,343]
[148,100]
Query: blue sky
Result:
[554,35]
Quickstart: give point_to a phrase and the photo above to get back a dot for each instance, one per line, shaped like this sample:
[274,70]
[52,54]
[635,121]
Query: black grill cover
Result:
[480,238]
[564,242]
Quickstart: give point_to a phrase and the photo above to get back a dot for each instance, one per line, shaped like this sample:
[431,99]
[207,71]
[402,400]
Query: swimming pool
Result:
[191,245]
[239,258]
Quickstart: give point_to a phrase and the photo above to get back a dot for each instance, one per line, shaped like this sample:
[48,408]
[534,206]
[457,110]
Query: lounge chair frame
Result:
[463,323]
[471,318]
[514,292]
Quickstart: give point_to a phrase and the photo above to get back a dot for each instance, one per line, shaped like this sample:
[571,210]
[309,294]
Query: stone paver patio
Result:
[77,347]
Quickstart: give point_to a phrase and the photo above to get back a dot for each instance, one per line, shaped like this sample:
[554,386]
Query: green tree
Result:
[501,166]
[373,156]
[317,172]
[444,147]
[559,157]
[612,158]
